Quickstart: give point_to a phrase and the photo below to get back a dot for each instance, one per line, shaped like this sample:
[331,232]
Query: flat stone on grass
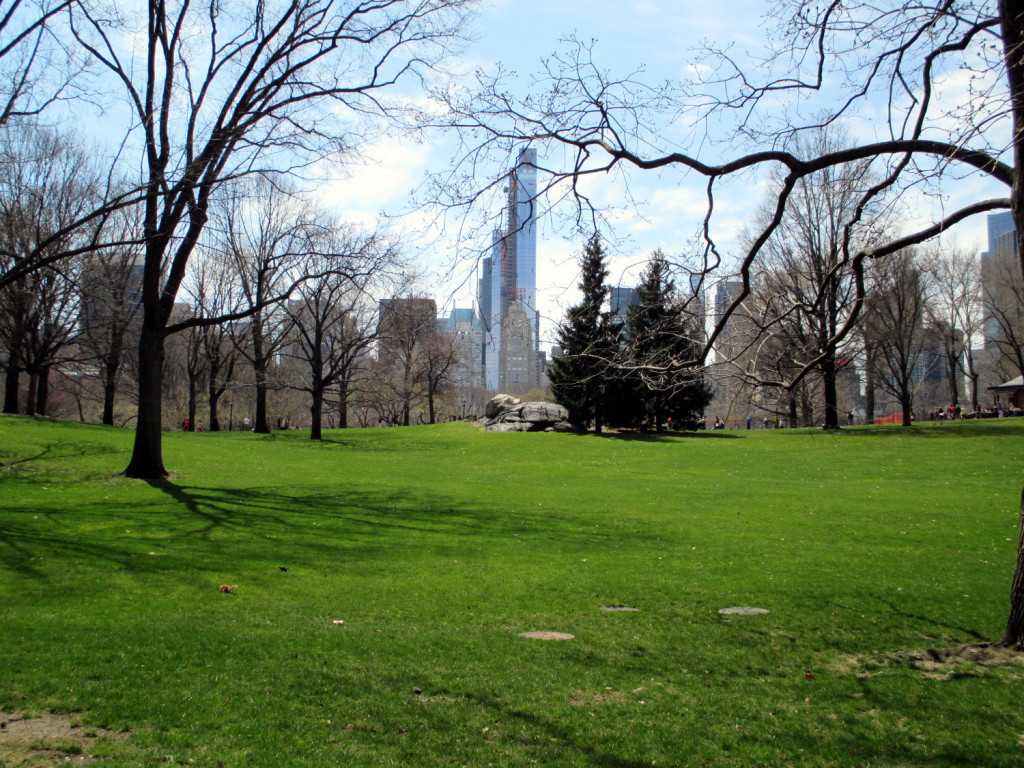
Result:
[742,610]
[548,635]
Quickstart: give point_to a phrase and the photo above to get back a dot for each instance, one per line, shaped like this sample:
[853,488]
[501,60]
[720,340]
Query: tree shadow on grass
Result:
[203,528]
[1010,428]
[661,437]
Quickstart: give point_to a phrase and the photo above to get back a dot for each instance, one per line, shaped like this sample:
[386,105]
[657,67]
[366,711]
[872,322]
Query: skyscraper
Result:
[507,291]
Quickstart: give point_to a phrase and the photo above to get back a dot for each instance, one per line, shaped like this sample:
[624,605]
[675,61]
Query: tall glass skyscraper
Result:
[507,292]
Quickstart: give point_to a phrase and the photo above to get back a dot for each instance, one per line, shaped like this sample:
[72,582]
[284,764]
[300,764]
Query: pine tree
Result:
[578,376]
[659,335]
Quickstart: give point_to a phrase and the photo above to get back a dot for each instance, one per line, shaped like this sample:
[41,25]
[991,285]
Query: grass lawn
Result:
[438,546]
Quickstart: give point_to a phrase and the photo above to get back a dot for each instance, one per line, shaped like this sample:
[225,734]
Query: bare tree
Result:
[214,292]
[809,289]
[36,69]
[405,328]
[111,283]
[958,308]
[438,360]
[269,233]
[896,316]
[45,182]
[331,316]
[220,89]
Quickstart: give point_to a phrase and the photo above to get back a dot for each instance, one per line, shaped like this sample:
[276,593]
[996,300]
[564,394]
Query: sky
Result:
[656,210]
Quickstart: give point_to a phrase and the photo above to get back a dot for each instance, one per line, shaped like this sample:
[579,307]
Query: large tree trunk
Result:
[828,378]
[1014,635]
[147,459]
[1012,18]
[316,412]
[214,420]
[906,406]
[260,423]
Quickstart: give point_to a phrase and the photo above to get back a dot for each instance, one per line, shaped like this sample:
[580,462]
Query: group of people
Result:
[957,412]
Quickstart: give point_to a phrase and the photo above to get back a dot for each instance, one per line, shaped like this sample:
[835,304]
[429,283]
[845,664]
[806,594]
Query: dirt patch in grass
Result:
[30,740]
[590,698]
[940,663]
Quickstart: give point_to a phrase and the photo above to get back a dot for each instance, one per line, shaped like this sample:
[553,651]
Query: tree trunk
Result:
[316,411]
[30,395]
[43,390]
[13,383]
[828,378]
[905,404]
[192,387]
[110,370]
[343,403]
[260,423]
[869,389]
[1014,635]
[147,459]
[1012,21]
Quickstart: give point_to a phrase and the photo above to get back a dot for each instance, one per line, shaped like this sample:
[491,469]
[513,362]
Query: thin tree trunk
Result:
[43,390]
[30,395]
[13,383]
[343,403]
[905,404]
[110,370]
[869,388]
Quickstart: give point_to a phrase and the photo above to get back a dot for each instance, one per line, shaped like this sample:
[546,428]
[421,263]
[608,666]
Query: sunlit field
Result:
[385,577]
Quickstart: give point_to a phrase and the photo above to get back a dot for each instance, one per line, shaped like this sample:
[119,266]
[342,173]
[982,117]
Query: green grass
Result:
[437,546]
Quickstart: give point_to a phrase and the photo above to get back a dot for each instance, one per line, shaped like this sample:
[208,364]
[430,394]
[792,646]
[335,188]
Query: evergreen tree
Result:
[578,376]
[659,335]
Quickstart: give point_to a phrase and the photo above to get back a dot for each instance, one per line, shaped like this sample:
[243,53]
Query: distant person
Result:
[750,421]
[199,426]
[184,425]
[849,418]
[766,423]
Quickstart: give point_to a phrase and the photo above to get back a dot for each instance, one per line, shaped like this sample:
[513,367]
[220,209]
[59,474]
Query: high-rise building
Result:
[466,333]
[507,290]
[1001,255]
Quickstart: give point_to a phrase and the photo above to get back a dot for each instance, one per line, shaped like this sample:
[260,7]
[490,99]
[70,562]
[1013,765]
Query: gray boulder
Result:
[498,405]
[537,412]
[511,415]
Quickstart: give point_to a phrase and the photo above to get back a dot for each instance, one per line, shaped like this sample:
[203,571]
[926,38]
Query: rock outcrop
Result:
[505,413]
